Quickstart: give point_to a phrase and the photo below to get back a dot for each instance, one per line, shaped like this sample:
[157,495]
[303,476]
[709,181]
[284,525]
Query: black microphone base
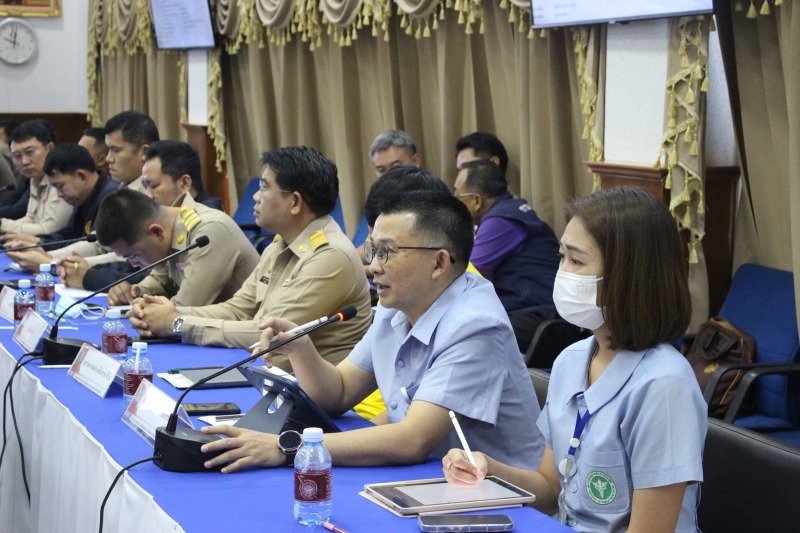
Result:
[179,450]
[62,350]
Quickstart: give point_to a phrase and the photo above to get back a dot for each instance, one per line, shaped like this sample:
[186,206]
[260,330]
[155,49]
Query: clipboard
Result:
[411,498]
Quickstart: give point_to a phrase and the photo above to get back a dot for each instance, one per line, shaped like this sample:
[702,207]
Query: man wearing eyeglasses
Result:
[30,143]
[310,270]
[440,342]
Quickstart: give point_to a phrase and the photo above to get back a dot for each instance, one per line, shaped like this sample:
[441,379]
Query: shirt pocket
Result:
[603,483]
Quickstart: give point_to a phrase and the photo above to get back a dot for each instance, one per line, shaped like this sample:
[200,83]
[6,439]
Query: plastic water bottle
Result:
[45,290]
[115,336]
[312,480]
[23,301]
[135,368]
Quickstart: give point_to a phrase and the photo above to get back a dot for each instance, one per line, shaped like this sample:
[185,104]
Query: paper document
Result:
[76,294]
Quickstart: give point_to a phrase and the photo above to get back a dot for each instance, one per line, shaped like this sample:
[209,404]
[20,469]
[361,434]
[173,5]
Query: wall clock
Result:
[17,41]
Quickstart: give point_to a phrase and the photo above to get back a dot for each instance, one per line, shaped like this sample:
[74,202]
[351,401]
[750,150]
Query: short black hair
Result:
[305,170]
[124,215]
[37,128]
[177,158]
[441,220]
[68,158]
[485,145]
[96,133]
[485,178]
[395,182]
[137,128]
[8,127]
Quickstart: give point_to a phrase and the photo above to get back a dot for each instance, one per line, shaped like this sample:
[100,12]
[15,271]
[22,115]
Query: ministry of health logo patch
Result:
[601,488]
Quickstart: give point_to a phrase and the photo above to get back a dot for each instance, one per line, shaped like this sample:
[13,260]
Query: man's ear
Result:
[142,150]
[185,182]
[297,203]
[494,159]
[156,230]
[443,263]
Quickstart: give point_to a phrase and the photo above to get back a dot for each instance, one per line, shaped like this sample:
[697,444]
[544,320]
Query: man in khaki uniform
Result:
[31,141]
[142,231]
[310,270]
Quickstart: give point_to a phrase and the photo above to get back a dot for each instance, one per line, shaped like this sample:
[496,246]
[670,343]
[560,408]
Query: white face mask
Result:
[575,297]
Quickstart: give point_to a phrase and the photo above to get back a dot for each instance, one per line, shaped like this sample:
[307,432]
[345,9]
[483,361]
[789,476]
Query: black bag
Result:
[719,342]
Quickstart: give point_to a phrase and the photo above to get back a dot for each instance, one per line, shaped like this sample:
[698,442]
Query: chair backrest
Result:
[338,214]
[244,211]
[540,380]
[751,482]
[761,302]
[362,231]
[550,339]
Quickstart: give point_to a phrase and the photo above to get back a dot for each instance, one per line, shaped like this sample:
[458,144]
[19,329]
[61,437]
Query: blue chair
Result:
[362,232]
[338,214]
[761,302]
[247,222]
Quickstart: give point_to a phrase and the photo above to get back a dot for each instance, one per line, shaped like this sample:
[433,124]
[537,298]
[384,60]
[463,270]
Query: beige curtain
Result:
[768,64]
[338,98]
[687,84]
[126,71]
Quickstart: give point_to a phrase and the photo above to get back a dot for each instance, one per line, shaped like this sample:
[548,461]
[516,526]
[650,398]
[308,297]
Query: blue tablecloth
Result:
[211,501]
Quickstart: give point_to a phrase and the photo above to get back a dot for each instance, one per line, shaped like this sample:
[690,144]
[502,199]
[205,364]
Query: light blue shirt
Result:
[646,429]
[461,355]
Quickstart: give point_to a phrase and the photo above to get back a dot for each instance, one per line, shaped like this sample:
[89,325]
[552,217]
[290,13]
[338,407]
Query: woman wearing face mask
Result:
[624,422]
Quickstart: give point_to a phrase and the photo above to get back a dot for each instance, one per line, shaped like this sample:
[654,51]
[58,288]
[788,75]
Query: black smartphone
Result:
[155,340]
[465,522]
[203,409]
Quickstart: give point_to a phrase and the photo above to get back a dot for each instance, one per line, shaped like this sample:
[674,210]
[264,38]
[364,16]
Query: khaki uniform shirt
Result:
[46,212]
[204,275]
[315,276]
[94,252]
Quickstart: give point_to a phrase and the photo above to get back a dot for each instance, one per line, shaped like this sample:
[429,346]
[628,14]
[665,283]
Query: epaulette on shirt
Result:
[317,239]
[189,217]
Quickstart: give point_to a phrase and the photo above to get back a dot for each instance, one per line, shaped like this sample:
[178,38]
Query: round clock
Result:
[17,41]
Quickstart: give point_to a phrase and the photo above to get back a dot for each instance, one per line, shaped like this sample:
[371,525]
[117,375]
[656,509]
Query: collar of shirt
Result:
[609,384]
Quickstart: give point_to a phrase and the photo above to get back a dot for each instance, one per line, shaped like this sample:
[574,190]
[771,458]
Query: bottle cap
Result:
[113,314]
[24,284]
[44,267]
[312,435]
[139,345]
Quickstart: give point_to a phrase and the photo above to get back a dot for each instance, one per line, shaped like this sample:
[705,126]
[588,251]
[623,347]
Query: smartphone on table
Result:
[441,523]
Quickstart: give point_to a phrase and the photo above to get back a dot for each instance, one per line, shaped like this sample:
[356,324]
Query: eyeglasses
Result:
[381,251]
[28,153]
[460,194]
[263,186]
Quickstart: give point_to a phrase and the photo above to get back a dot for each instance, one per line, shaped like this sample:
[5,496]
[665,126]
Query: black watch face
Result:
[290,440]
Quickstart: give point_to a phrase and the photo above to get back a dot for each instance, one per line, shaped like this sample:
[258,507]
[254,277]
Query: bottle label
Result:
[312,486]
[131,382]
[45,293]
[115,344]
[21,309]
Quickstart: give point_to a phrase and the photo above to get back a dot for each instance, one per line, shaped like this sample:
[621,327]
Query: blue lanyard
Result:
[580,423]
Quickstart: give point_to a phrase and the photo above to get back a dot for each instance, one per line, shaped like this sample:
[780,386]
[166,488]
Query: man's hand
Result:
[27,240]
[71,270]
[123,294]
[272,328]
[152,316]
[29,260]
[244,448]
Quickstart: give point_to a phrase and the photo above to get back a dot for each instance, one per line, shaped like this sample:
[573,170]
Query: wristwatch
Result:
[289,442]
[177,326]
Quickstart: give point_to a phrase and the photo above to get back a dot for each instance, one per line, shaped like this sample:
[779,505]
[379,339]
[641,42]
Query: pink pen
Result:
[331,527]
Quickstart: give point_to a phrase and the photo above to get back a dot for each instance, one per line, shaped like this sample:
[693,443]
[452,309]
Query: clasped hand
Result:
[152,316]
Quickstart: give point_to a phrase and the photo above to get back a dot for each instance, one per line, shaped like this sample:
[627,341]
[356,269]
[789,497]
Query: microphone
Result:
[179,449]
[61,350]
[9,187]
[88,238]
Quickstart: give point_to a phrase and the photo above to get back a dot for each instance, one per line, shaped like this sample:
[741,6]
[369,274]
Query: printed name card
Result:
[150,410]
[7,303]
[94,370]
[30,330]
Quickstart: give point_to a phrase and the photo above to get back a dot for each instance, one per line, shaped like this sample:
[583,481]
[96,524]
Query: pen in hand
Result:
[462,439]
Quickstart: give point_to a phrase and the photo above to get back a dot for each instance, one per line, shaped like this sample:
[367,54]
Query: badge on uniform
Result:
[600,487]
[264,279]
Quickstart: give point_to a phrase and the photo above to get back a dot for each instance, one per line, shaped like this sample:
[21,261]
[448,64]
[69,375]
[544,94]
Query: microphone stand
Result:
[63,350]
[178,449]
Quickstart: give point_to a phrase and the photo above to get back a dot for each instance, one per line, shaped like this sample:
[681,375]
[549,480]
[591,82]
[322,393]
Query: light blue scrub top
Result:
[647,429]
[462,355]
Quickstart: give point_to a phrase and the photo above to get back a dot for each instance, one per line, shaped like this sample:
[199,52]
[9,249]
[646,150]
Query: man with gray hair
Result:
[393,148]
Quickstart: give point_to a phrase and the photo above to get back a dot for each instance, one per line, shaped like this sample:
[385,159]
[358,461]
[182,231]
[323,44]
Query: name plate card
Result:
[30,331]
[150,410]
[94,370]
[7,303]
